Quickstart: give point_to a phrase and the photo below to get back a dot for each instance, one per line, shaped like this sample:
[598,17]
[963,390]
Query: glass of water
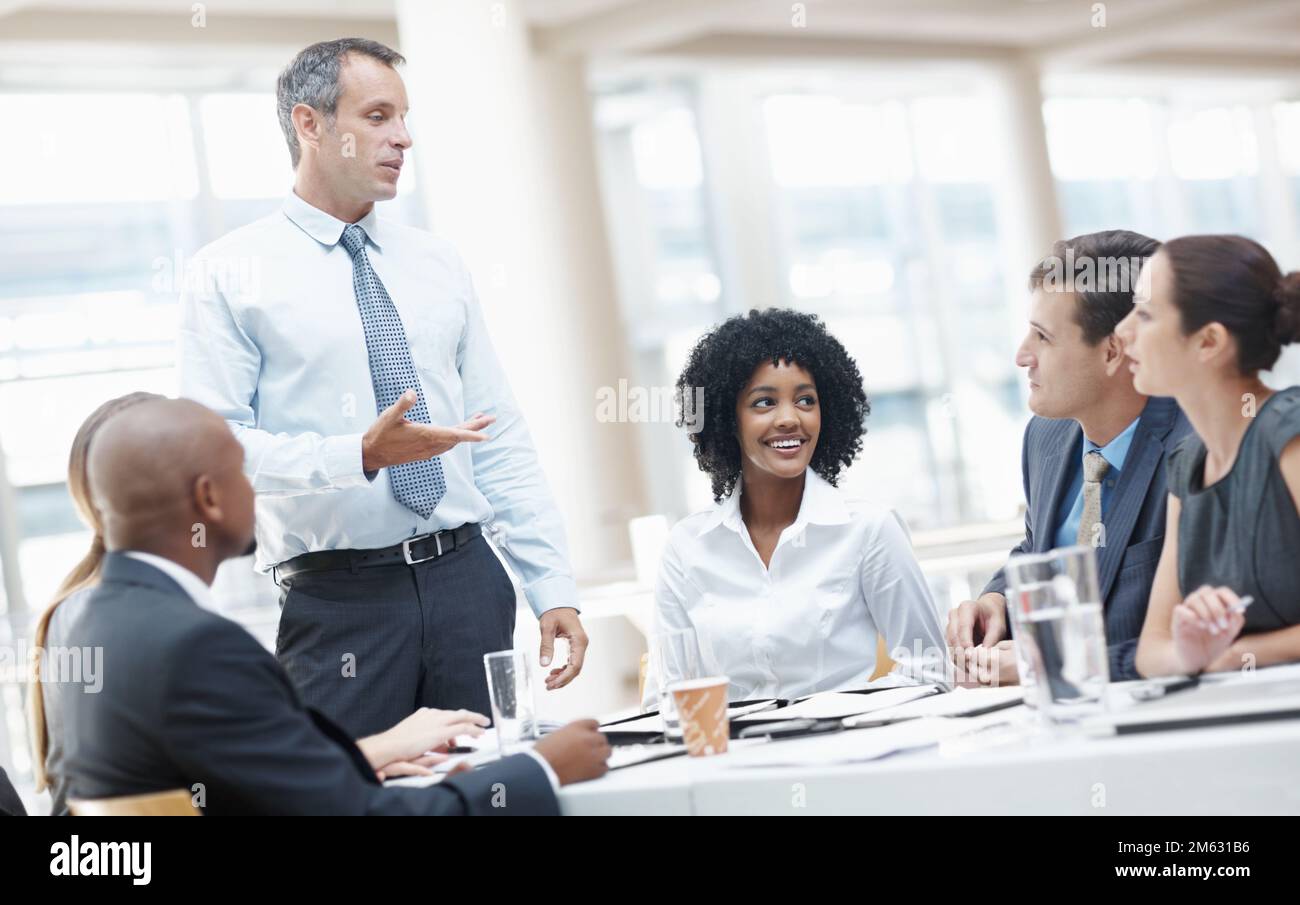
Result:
[1059,630]
[675,657]
[510,686]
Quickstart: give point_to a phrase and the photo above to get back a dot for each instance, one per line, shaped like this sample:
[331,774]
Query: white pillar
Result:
[739,180]
[1170,198]
[1281,213]
[1280,226]
[634,250]
[1030,214]
[505,149]
[15,603]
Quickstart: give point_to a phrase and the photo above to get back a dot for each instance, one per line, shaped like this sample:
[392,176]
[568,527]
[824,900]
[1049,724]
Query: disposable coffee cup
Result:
[702,710]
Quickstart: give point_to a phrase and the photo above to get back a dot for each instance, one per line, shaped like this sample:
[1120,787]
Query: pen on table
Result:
[747,709]
[857,722]
[1150,691]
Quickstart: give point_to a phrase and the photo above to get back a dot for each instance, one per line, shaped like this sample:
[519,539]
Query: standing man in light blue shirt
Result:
[350,356]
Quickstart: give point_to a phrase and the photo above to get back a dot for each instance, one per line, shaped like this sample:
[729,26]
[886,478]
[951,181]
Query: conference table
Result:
[1005,762]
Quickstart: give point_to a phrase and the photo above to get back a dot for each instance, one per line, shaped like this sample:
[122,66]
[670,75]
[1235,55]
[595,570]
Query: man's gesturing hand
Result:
[392,440]
[562,622]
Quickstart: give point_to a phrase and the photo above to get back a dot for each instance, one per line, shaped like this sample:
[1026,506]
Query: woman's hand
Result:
[1204,627]
[424,734]
[417,767]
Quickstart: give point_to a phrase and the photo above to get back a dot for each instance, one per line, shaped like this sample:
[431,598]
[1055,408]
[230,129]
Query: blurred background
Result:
[620,175]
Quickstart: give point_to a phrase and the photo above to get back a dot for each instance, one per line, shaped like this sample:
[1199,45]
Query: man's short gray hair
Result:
[312,78]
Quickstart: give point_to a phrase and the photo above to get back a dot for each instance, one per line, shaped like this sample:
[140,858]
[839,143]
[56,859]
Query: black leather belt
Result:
[410,551]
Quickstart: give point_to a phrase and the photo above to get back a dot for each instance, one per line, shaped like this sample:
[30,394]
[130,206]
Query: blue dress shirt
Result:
[1114,452]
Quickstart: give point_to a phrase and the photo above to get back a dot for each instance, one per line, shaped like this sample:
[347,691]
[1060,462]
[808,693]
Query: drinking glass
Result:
[514,712]
[1059,630]
[675,657]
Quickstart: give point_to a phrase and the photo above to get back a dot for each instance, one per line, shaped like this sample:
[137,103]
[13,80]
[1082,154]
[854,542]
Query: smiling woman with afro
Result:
[725,358]
[784,585]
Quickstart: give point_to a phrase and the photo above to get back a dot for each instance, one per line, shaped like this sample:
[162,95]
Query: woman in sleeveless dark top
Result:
[1210,313]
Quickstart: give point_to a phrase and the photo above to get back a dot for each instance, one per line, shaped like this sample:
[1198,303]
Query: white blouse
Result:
[841,574]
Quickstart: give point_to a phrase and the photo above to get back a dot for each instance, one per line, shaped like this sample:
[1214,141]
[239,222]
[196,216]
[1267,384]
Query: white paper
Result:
[629,755]
[953,704]
[654,723]
[848,746]
[1280,673]
[833,705]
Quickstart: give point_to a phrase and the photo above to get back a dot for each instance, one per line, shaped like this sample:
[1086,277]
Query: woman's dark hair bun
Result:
[1286,323]
[1234,281]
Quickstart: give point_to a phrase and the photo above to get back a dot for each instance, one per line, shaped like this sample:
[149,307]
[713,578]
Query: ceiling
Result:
[1217,34]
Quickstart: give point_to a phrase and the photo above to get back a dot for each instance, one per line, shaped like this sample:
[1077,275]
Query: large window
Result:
[882,220]
[667,159]
[1164,160]
[1168,164]
[1105,160]
[879,210]
[1285,121]
[100,208]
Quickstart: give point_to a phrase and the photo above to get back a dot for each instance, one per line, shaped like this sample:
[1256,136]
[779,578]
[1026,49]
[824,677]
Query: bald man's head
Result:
[168,473]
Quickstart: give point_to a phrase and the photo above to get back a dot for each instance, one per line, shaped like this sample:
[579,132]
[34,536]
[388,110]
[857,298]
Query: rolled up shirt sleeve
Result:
[903,608]
[669,616]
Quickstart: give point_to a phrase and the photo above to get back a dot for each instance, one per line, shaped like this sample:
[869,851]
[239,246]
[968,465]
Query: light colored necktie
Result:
[1095,467]
[419,486]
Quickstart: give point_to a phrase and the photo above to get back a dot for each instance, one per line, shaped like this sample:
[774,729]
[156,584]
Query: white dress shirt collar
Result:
[326,228]
[190,583]
[822,504]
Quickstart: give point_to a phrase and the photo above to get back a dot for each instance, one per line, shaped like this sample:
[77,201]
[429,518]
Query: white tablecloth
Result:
[1251,768]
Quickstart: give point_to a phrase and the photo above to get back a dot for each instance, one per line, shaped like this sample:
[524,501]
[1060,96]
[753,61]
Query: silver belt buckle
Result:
[406,548]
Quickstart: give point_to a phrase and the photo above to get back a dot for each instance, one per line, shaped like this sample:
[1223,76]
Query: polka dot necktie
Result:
[418,486]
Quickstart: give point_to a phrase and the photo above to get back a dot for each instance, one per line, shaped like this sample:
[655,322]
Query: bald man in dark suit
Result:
[191,700]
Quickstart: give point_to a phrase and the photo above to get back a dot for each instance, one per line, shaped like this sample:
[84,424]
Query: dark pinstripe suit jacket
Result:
[1134,518]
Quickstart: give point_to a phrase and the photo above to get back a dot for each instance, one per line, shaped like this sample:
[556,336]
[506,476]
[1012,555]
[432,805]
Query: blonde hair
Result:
[84,574]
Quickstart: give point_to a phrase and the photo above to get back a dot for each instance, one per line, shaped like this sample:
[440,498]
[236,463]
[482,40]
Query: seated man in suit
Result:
[191,700]
[1093,459]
